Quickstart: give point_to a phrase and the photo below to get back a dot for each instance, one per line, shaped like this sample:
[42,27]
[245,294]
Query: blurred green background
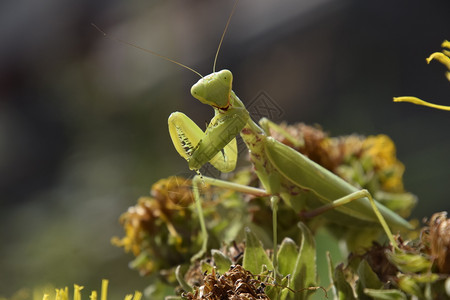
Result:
[83,119]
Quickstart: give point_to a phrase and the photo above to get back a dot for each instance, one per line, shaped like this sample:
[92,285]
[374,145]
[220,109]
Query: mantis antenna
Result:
[223,34]
[145,50]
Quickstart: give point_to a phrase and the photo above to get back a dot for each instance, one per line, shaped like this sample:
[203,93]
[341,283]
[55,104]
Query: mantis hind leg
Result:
[347,199]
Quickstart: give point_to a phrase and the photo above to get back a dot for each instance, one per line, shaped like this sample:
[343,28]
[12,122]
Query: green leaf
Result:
[206,267]
[181,281]
[158,289]
[287,254]
[345,291]
[331,276]
[409,263]
[278,291]
[304,274]
[367,276]
[425,278]
[254,255]
[410,286]
[367,279]
[221,261]
[385,294]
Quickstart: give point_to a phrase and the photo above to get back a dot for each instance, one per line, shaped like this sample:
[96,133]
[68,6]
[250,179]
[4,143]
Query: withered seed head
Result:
[236,284]
[437,237]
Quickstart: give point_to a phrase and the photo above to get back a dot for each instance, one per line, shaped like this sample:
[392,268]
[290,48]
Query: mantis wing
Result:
[325,186]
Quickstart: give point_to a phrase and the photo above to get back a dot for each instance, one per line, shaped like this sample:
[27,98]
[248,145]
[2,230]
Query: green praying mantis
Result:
[284,173]
[307,187]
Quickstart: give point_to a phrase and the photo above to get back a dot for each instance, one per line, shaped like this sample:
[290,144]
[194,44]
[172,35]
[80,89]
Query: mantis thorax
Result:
[214,89]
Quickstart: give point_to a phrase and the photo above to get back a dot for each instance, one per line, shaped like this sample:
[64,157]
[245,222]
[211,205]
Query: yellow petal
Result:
[441,57]
[104,289]
[418,101]
[93,295]
[137,295]
[77,291]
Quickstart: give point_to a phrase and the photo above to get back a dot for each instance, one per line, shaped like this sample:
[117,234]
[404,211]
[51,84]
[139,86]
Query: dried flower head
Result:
[236,284]
[155,228]
[436,237]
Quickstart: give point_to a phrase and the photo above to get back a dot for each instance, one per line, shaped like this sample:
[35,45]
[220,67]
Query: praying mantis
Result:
[284,173]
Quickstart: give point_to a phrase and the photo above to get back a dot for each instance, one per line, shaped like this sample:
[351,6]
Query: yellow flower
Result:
[63,294]
[381,149]
[444,58]
[155,228]
[170,198]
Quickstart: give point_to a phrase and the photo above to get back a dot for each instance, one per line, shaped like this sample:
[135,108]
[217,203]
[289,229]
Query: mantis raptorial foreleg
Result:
[186,136]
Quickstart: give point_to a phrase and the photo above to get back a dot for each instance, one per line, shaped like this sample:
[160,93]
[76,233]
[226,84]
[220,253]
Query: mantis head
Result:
[214,89]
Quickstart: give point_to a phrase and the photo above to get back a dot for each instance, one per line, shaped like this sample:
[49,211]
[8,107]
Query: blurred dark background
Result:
[83,119]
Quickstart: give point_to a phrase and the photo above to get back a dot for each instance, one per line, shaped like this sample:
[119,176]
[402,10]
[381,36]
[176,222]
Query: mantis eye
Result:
[226,76]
